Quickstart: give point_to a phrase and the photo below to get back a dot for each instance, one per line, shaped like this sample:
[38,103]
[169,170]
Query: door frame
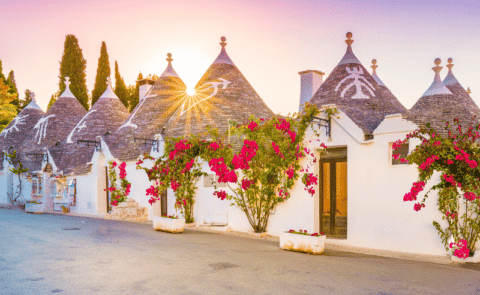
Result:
[334,155]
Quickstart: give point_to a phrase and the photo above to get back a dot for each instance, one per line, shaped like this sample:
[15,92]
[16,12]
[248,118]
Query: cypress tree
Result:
[73,65]
[26,100]
[120,88]
[13,90]
[103,72]
[134,93]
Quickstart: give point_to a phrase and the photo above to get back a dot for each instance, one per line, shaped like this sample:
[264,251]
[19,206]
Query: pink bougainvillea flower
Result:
[246,183]
[449,162]
[114,164]
[222,195]
[290,172]
[175,185]
[396,156]
[292,135]
[418,206]
[323,146]
[139,162]
[151,200]
[252,125]
[470,196]
[214,146]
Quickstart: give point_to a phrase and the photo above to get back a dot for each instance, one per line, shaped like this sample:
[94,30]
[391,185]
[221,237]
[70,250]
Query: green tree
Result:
[7,110]
[103,72]
[28,98]
[2,76]
[13,90]
[120,88]
[53,99]
[134,93]
[73,65]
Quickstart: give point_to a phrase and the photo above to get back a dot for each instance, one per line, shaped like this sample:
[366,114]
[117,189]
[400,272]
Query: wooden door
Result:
[333,193]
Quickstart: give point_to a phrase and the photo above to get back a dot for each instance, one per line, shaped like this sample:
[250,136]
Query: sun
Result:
[191,91]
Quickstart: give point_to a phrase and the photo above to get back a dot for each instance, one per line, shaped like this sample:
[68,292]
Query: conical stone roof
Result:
[461,95]
[149,116]
[106,115]
[15,132]
[357,93]
[439,104]
[53,128]
[223,94]
[384,91]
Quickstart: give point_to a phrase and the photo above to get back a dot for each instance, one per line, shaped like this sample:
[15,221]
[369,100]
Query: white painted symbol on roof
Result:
[19,120]
[224,83]
[41,127]
[80,125]
[358,82]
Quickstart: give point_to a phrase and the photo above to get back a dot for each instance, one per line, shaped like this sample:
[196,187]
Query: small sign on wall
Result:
[211,179]
[208,180]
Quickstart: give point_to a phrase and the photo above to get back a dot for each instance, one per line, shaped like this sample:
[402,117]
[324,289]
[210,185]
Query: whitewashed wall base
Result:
[302,243]
[168,224]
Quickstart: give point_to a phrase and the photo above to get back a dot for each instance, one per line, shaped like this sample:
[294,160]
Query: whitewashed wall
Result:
[86,202]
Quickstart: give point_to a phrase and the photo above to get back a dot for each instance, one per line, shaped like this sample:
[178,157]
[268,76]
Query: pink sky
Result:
[269,41]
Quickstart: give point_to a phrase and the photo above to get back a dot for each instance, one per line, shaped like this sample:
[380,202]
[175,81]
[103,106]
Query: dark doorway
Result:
[163,202]
[333,193]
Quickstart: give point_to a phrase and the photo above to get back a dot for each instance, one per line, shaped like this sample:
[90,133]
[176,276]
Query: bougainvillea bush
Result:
[261,172]
[179,169]
[454,154]
[118,195]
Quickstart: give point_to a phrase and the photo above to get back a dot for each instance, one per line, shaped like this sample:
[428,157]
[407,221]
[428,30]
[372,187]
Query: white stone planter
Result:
[33,208]
[168,224]
[474,259]
[302,243]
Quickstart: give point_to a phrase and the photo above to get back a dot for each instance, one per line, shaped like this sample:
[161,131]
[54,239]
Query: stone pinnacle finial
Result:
[468,90]
[169,57]
[349,41]
[450,65]
[32,95]
[223,39]
[67,82]
[437,67]
[109,81]
[374,64]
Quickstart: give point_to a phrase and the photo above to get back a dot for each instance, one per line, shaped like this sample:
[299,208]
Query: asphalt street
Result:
[49,254]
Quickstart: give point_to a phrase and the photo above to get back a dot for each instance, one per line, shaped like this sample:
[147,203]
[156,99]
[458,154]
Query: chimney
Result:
[310,81]
[144,86]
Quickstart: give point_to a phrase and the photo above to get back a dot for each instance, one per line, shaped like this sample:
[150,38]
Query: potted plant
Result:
[33,207]
[302,241]
[170,223]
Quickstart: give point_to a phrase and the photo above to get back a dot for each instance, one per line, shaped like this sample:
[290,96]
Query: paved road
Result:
[49,254]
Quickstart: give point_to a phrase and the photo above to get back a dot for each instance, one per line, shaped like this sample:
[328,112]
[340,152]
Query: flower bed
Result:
[301,241]
[169,224]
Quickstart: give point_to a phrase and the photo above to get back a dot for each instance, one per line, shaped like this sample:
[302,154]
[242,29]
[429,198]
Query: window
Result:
[37,189]
[72,191]
[402,151]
